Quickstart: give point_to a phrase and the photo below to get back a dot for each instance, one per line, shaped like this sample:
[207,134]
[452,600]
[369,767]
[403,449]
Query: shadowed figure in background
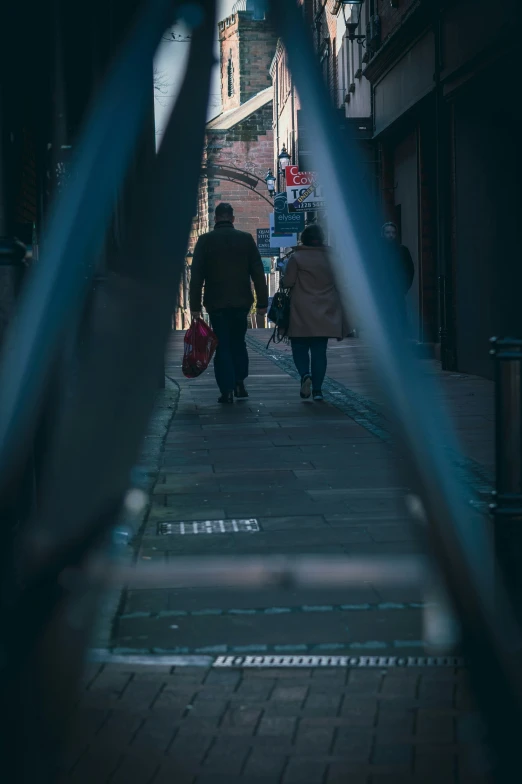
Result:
[226,262]
[405,268]
[316,312]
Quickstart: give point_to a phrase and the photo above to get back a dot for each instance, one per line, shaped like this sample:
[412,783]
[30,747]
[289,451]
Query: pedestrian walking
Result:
[226,262]
[405,266]
[316,312]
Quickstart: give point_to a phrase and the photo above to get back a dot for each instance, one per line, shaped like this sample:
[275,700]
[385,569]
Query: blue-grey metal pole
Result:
[367,283]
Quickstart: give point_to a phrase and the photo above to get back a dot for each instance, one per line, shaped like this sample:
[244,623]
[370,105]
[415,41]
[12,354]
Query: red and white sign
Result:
[302,191]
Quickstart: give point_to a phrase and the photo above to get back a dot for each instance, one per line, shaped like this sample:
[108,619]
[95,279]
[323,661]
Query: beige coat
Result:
[315,306]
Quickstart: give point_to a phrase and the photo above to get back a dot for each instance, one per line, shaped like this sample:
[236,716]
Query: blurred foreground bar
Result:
[254,573]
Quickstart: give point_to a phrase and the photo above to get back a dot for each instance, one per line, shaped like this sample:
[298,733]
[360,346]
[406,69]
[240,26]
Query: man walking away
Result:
[405,266]
[225,262]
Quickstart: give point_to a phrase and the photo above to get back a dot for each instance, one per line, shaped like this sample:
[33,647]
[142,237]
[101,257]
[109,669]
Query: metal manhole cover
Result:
[208,527]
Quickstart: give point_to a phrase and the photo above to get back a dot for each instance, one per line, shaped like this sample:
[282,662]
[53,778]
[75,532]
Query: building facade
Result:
[239,141]
[426,88]
[450,166]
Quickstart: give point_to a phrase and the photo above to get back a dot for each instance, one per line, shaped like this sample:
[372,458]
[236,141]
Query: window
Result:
[230,75]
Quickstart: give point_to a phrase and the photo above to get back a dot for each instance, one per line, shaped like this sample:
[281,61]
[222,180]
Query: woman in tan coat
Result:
[316,313]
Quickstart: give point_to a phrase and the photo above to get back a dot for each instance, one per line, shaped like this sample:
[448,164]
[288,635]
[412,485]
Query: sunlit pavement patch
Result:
[364,411]
[208,527]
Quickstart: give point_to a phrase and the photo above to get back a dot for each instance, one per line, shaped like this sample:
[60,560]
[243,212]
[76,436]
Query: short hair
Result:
[313,235]
[389,223]
[224,211]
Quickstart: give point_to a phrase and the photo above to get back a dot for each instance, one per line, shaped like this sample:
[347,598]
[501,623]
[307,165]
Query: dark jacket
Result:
[405,265]
[225,261]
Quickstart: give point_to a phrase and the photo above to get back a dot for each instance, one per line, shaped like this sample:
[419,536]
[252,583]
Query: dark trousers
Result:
[231,358]
[310,354]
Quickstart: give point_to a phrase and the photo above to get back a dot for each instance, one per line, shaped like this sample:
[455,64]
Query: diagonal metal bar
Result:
[102,429]
[100,432]
[365,279]
[61,279]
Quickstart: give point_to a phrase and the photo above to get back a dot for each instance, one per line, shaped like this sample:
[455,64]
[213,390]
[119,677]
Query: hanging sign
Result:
[286,222]
[281,202]
[281,239]
[302,191]
[264,245]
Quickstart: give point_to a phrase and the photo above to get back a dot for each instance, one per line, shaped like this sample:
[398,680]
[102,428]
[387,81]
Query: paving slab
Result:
[239,726]
[318,481]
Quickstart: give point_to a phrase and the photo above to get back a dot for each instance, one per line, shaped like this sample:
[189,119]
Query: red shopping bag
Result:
[199,347]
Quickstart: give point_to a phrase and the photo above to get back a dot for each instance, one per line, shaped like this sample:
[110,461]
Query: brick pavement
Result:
[321,726]
[318,482]
[469,399]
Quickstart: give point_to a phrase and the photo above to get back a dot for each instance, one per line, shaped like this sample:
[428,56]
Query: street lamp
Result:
[284,159]
[270,182]
[355,18]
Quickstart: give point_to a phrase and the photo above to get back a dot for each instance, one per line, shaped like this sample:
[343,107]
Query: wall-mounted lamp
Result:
[284,159]
[355,18]
[270,182]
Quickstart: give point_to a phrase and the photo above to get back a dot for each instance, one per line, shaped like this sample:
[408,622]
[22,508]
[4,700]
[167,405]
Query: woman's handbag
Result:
[279,314]
[200,342]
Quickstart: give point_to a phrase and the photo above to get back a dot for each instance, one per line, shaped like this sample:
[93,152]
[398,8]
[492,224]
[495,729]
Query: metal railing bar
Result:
[60,281]
[90,458]
[101,431]
[462,548]
[252,573]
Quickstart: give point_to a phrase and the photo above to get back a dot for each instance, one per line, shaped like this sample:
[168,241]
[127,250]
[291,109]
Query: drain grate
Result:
[338,661]
[208,527]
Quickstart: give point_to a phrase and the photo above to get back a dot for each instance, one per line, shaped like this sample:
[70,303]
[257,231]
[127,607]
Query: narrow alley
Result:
[297,478]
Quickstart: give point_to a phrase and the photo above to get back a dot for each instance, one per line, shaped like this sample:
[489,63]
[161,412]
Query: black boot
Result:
[227,398]
[240,391]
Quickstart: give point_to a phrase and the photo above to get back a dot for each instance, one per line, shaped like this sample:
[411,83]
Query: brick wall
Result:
[391,18]
[286,106]
[325,35]
[249,146]
[250,45]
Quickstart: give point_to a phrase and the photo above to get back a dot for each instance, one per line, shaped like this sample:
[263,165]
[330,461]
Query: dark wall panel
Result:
[488,248]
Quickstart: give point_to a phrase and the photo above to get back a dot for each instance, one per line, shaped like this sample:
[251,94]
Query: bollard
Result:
[507,502]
